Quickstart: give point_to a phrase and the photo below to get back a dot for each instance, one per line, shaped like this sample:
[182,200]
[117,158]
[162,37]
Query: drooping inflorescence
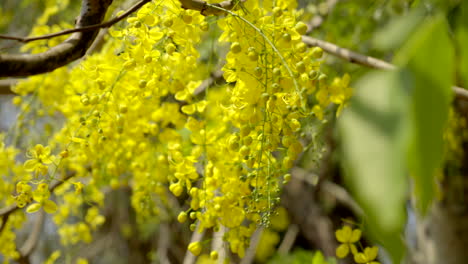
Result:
[130,118]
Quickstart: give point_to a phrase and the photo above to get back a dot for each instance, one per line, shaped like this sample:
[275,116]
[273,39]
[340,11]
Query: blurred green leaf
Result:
[428,57]
[319,258]
[462,42]
[395,33]
[300,256]
[374,132]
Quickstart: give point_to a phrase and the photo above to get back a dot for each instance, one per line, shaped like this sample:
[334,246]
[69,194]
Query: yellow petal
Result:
[50,207]
[360,258]
[343,235]
[201,106]
[33,208]
[355,236]
[188,109]
[77,140]
[354,250]
[47,159]
[30,165]
[342,251]
[371,253]
[347,231]
[195,248]
[46,151]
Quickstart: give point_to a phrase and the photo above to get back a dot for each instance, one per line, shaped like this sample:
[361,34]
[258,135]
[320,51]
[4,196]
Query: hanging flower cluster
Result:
[132,118]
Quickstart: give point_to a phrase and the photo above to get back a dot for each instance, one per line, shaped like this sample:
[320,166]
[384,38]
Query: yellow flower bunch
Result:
[132,117]
[348,238]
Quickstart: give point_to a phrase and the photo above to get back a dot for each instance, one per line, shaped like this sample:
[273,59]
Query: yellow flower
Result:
[78,187]
[368,256]
[41,196]
[24,194]
[347,237]
[195,248]
[40,156]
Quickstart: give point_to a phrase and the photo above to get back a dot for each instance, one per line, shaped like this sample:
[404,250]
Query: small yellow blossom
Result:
[368,256]
[195,248]
[41,196]
[78,187]
[347,237]
[40,157]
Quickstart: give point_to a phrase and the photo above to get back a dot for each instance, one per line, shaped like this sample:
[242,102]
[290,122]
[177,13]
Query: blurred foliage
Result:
[300,256]
[402,115]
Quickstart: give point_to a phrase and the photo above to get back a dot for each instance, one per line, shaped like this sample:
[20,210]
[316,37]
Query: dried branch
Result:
[209,9]
[364,60]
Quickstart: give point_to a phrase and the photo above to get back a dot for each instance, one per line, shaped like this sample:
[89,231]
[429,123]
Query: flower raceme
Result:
[135,120]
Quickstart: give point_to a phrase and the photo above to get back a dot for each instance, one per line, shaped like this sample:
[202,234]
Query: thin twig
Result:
[80,29]
[250,252]
[198,5]
[364,60]
[288,240]
[217,243]
[210,9]
[33,238]
[163,243]
[342,196]
[196,236]
[215,77]
[348,55]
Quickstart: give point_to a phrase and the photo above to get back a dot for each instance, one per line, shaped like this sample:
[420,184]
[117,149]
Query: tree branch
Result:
[364,60]
[80,29]
[5,86]
[208,9]
[92,13]
[30,244]
[289,239]
[215,76]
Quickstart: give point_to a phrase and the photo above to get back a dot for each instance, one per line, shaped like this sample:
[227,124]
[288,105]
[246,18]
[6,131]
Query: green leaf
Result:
[318,258]
[461,34]
[374,132]
[428,58]
[395,33]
